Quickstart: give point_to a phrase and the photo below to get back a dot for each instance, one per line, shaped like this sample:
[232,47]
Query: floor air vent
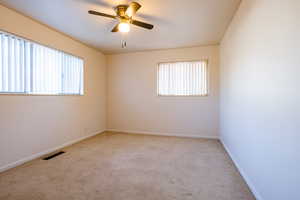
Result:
[53,155]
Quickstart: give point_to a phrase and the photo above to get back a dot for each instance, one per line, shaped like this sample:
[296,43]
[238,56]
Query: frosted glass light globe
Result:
[124,27]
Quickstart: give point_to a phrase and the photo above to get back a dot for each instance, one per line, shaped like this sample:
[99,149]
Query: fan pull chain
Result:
[124,43]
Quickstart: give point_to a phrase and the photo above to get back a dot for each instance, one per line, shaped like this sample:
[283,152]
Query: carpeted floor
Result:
[115,166]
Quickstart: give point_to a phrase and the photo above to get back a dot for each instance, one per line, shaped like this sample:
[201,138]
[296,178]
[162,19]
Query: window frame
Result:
[185,96]
[51,47]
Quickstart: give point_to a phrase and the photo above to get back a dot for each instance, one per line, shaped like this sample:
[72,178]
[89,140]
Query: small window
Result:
[183,79]
[30,68]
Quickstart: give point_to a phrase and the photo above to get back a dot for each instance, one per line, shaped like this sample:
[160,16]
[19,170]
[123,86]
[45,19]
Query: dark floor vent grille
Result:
[53,155]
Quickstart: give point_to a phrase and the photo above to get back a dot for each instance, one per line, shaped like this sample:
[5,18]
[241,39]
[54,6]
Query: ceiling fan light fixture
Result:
[124,14]
[124,27]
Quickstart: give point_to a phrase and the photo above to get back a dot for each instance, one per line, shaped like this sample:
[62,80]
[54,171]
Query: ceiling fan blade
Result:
[132,8]
[101,14]
[142,24]
[115,29]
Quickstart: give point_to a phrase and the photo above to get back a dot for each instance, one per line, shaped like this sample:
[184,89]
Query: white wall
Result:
[260,84]
[133,104]
[33,124]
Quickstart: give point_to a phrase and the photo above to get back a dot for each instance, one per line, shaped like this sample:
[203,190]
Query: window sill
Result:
[206,95]
[23,94]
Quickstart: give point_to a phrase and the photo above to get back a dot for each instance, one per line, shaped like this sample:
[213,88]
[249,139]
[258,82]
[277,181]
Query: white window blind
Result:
[30,68]
[183,78]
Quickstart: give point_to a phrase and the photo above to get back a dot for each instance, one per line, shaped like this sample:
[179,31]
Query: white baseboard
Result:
[32,157]
[164,134]
[243,173]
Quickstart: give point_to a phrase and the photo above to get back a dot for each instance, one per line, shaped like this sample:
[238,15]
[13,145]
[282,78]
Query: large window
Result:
[30,68]
[183,79]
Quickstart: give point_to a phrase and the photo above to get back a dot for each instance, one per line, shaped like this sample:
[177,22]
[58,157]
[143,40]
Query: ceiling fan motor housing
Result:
[121,10]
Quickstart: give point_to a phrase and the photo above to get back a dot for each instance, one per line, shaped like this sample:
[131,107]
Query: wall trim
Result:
[240,169]
[38,155]
[242,172]
[164,134]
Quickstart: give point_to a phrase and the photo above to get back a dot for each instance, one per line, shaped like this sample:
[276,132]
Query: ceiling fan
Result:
[124,14]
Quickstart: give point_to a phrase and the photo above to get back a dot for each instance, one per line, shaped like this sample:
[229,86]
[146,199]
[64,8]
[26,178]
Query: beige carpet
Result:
[114,166]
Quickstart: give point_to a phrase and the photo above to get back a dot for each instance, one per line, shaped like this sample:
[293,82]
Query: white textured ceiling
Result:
[177,23]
